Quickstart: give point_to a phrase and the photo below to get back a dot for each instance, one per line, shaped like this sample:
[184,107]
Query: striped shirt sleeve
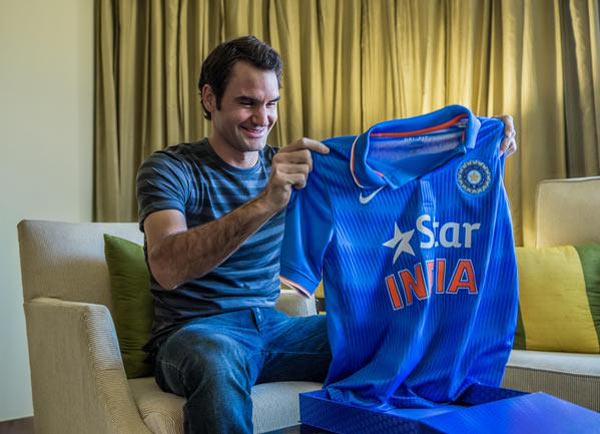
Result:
[162,183]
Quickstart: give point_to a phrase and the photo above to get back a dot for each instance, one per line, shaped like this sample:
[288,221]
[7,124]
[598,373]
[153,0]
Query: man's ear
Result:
[209,99]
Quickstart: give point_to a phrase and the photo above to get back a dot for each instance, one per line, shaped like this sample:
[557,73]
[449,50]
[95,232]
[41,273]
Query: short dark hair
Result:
[216,68]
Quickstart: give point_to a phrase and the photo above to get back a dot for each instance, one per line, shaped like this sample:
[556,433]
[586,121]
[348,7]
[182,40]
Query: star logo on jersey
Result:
[400,242]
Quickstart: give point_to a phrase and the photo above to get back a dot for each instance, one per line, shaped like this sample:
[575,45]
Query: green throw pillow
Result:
[132,302]
[559,300]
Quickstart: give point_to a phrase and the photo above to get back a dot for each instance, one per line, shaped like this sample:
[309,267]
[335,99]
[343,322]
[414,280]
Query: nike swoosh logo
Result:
[366,199]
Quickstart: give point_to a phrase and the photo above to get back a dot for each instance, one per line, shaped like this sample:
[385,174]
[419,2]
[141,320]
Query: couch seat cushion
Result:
[275,405]
[569,376]
[571,363]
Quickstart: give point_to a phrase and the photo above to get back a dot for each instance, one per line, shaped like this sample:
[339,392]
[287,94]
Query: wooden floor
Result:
[17,426]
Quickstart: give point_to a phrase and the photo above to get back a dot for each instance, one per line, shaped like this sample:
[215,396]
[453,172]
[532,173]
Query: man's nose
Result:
[261,116]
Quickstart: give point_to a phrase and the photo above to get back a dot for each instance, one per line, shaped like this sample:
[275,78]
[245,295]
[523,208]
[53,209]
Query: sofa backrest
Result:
[66,260]
[568,211]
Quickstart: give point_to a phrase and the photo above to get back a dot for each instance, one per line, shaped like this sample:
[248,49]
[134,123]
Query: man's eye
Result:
[272,104]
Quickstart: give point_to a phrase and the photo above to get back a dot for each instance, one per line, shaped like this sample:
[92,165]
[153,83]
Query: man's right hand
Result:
[290,168]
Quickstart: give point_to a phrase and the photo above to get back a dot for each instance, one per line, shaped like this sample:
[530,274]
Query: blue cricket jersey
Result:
[409,227]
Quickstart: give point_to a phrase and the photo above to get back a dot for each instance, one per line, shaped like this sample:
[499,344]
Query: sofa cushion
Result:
[275,405]
[132,302]
[559,299]
[568,211]
[574,377]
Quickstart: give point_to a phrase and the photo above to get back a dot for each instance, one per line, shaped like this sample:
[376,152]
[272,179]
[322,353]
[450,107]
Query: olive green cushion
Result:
[132,302]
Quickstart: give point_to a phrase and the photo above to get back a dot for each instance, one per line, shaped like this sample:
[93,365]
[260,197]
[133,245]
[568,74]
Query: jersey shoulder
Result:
[491,130]
[338,157]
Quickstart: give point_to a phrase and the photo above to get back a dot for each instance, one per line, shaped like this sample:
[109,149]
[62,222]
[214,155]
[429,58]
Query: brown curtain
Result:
[348,65]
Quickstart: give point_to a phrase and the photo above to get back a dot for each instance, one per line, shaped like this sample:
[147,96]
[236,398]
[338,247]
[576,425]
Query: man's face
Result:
[248,108]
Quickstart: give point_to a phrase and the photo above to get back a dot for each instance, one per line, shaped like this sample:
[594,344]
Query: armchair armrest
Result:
[77,374]
[294,304]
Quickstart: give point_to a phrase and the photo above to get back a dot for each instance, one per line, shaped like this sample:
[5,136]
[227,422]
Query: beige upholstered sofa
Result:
[77,375]
[567,212]
[78,380]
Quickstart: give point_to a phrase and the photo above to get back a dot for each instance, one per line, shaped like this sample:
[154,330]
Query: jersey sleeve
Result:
[161,184]
[308,232]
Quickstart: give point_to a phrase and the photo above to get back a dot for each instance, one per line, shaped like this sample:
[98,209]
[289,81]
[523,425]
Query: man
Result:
[212,214]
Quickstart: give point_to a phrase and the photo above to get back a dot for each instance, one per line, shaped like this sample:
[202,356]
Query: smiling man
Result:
[212,214]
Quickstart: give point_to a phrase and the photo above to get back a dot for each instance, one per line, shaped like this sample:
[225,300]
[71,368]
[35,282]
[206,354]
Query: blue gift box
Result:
[481,409]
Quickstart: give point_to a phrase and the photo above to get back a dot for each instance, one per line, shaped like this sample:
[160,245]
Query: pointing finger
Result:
[312,145]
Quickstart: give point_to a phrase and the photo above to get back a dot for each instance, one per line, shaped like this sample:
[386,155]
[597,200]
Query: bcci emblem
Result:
[474,177]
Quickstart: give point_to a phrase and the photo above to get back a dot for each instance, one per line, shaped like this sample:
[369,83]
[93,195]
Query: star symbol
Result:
[400,242]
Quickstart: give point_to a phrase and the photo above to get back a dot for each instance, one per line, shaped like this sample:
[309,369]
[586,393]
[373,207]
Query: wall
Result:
[46,145]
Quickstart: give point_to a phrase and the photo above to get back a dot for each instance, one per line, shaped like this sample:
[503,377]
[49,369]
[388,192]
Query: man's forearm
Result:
[195,252]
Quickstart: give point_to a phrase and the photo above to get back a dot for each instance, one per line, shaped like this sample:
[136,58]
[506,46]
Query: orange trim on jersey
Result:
[435,128]
[352,171]
[301,289]
[356,181]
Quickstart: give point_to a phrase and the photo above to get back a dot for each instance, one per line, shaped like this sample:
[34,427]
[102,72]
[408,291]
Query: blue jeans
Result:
[214,362]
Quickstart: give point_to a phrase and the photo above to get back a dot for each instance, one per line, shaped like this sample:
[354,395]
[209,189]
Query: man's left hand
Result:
[509,144]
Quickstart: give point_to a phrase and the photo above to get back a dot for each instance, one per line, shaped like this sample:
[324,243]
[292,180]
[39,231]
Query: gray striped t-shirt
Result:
[193,179]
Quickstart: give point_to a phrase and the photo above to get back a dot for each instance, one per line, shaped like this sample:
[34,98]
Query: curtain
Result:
[350,64]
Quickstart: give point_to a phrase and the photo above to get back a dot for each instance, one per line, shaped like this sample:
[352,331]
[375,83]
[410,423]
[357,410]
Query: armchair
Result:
[77,375]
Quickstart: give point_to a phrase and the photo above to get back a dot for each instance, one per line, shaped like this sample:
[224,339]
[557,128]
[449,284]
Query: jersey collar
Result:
[368,178]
